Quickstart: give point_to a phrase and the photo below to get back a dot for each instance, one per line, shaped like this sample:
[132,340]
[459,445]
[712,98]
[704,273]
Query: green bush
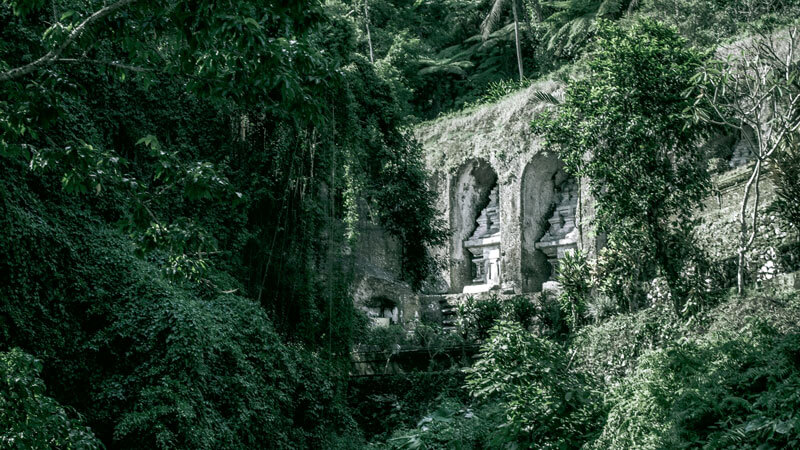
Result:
[453,425]
[574,275]
[30,419]
[546,405]
[520,309]
[476,315]
[729,390]
[609,350]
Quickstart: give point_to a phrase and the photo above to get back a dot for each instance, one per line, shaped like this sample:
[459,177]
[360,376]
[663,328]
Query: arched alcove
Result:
[382,310]
[469,194]
[539,181]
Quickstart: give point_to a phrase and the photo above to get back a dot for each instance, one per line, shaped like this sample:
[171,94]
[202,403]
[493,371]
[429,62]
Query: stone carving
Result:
[562,236]
[741,151]
[484,245]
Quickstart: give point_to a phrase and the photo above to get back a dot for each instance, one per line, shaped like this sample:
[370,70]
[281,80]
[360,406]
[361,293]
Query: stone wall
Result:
[775,249]
[468,152]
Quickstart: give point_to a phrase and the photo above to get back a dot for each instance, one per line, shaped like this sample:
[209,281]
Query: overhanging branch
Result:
[53,55]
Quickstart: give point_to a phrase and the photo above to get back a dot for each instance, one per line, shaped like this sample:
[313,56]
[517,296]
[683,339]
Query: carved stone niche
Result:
[484,246]
[562,236]
[742,150]
[382,311]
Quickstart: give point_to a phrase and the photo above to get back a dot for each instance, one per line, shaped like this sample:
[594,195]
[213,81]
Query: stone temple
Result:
[514,213]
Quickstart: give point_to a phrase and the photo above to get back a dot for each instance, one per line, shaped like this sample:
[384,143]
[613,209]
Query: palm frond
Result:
[444,66]
[547,97]
[493,18]
[609,7]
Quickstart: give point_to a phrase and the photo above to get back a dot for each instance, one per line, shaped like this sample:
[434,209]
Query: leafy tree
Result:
[621,127]
[756,93]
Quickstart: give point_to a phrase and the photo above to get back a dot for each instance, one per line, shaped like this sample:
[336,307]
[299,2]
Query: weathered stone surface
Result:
[541,214]
[467,154]
[562,236]
[774,247]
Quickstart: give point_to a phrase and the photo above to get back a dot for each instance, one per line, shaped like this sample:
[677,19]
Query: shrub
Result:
[477,315]
[575,279]
[29,418]
[729,390]
[609,350]
[546,405]
[453,425]
[520,309]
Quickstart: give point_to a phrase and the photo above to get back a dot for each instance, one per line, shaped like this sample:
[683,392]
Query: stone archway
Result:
[469,195]
[541,177]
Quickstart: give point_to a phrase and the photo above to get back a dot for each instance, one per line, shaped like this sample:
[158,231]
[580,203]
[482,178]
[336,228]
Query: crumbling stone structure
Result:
[514,213]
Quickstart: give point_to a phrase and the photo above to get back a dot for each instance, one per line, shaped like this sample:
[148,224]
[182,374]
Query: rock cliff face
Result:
[539,211]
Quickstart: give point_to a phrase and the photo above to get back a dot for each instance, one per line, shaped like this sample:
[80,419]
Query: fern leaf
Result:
[609,8]
[546,98]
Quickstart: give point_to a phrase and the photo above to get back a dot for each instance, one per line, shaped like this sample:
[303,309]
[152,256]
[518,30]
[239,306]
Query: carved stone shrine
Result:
[484,245]
[562,236]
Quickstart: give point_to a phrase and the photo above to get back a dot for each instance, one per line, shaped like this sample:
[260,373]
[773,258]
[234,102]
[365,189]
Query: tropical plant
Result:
[572,22]
[491,20]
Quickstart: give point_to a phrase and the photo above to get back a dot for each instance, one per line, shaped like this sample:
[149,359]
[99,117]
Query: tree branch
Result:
[54,54]
[116,64]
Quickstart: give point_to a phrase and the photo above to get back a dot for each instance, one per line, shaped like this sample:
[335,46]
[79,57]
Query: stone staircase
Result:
[449,310]
[446,306]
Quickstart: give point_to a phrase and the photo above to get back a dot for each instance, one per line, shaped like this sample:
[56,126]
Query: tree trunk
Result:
[516,38]
[746,241]
[369,36]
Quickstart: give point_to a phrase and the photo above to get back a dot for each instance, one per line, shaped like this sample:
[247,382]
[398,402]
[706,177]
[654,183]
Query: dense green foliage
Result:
[184,186]
[178,195]
[28,417]
[149,362]
[545,405]
[736,386]
[477,315]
